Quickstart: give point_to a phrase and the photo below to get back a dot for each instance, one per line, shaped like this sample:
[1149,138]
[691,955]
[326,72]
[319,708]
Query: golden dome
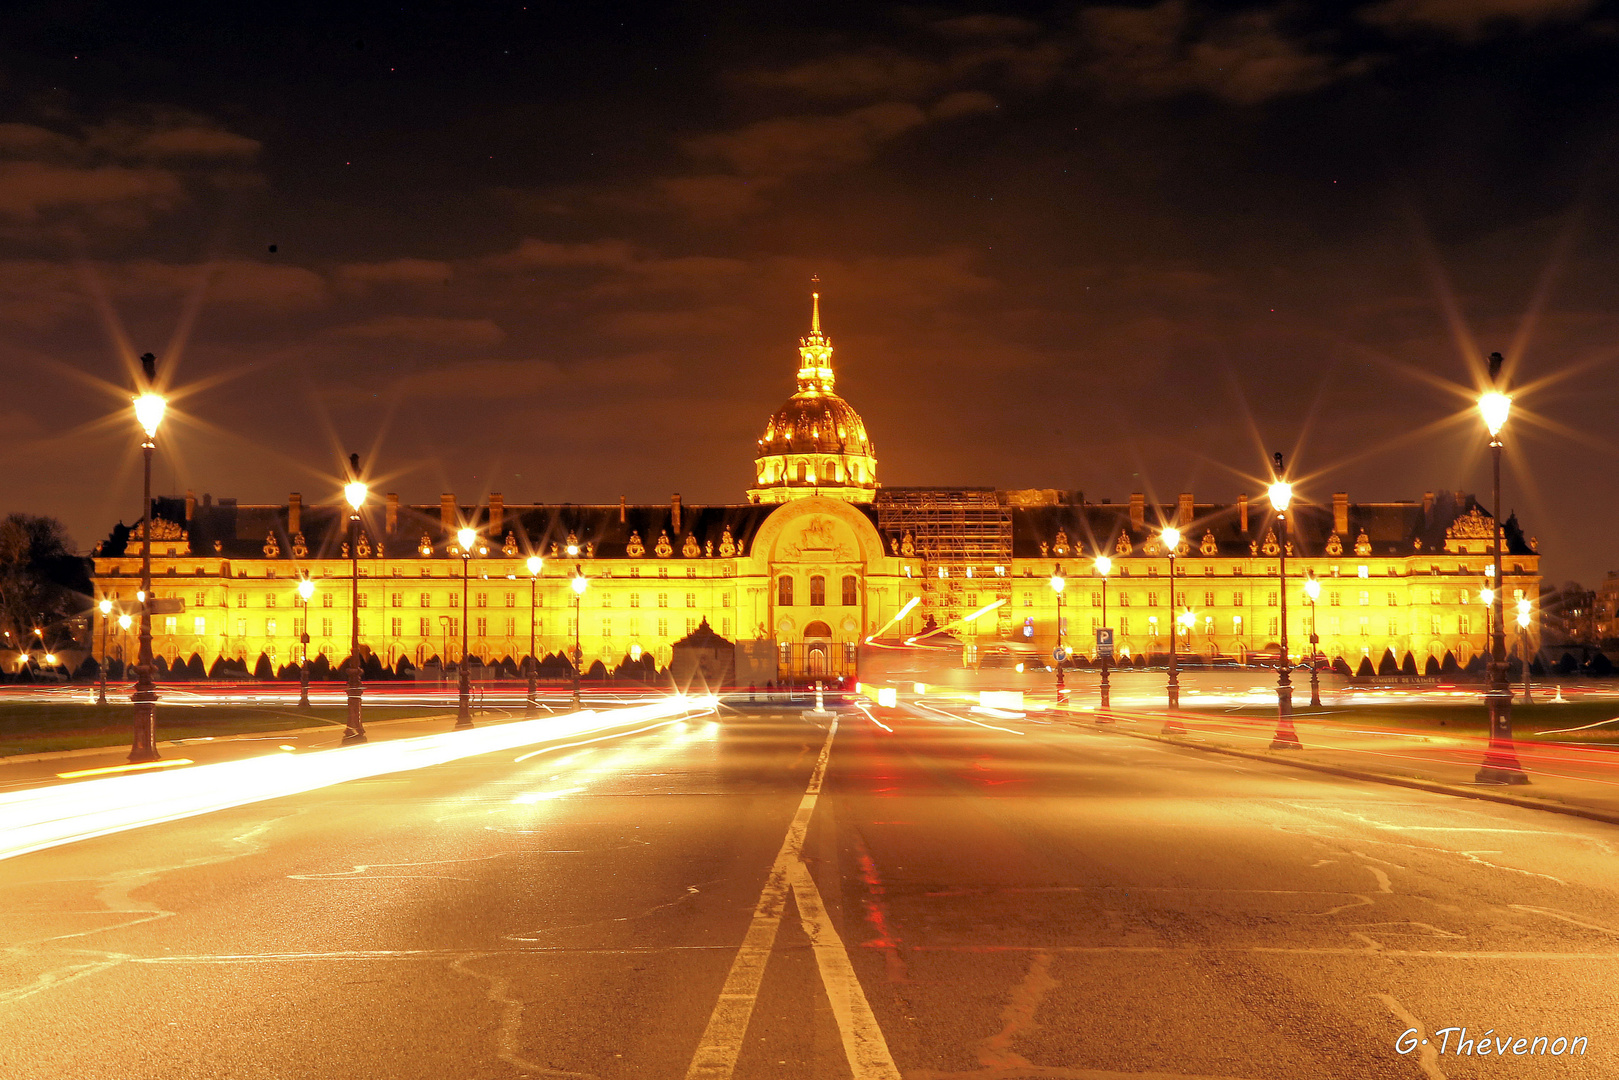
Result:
[816,443]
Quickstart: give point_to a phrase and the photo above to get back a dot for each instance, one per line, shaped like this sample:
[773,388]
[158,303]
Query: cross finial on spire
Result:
[815,304]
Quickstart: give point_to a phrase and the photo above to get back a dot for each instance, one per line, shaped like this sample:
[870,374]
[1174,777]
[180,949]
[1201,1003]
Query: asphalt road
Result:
[955,901]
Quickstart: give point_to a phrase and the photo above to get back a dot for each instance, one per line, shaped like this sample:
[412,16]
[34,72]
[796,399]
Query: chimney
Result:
[1427,504]
[1340,513]
[191,504]
[674,510]
[1138,510]
[446,513]
[391,521]
[1242,512]
[1184,513]
[295,512]
[497,515]
[621,509]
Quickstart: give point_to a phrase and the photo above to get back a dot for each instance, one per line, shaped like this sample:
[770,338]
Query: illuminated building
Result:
[818,558]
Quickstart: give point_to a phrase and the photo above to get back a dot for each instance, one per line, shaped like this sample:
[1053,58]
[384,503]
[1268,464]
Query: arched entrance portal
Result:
[818,649]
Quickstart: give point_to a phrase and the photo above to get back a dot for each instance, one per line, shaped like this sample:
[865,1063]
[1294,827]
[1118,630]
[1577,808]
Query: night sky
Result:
[563,251]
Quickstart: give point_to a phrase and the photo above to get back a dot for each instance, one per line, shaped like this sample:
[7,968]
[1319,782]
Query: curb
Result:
[1431,786]
[89,751]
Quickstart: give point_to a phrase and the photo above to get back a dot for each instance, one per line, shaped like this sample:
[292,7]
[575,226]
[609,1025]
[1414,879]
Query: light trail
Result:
[904,611]
[46,817]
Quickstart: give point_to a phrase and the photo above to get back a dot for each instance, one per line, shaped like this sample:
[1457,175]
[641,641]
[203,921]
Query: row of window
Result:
[1332,627]
[1334,598]
[817,591]
[481,600]
[450,627]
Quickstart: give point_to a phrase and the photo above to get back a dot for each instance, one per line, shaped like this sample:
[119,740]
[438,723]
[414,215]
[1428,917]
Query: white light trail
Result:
[45,817]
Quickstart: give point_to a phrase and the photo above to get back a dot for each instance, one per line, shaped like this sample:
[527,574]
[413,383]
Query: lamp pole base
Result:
[463,709]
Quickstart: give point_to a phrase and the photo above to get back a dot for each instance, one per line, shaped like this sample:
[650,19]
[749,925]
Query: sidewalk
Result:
[1576,780]
[22,772]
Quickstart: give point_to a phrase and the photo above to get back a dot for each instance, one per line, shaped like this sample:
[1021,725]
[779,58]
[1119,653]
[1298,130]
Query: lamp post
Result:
[306,589]
[1500,764]
[580,584]
[106,618]
[1312,589]
[354,491]
[1523,643]
[1171,539]
[463,709]
[124,623]
[149,408]
[1486,596]
[1286,738]
[535,564]
[1104,566]
[1057,586]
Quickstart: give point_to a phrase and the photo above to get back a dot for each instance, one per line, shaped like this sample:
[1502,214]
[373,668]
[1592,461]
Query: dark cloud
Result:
[1471,18]
[1173,48]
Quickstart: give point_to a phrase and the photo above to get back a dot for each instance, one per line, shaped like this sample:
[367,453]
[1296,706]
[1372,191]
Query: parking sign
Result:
[1104,641]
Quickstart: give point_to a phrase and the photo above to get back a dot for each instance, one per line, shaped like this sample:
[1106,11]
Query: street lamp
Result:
[535,564]
[1523,643]
[306,589]
[1057,586]
[463,710]
[1500,764]
[149,408]
[106,613]
[355,492]
[1171,538]
[580,584]
[1286,738]
[1312,589]
[1104,566]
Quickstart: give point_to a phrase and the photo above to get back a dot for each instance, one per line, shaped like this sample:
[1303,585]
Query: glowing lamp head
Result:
[149,409]
[466,538]
[1172,540]
[1104,565]
[306,589]
[534,564]
[580,584]
[50,658]
[1187,619]
[1494,407]
[1058,584]
[1487,595]
[573,550]
[635,653]
[106,607]
[354,491]
[1312,589]
[1280,494]
[125,622]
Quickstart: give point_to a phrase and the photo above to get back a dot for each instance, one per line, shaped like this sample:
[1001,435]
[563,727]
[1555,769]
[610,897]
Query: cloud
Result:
[241,282]
[793,145]
[986,26]
[1471,18]
[196,142]
[427,330]
[962,103]
[1165,51]
[396,272]
[28,188]
[484,379]
[872,74]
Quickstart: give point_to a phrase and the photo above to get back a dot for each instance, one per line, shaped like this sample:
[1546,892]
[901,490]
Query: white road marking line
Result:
[717,1051]
[863,1042]
[1428,1059]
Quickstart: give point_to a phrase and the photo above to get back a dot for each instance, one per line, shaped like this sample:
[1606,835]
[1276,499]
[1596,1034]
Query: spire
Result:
[815,350]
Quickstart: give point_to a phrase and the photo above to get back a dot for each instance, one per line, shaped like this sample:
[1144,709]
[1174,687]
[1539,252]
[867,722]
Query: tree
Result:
[1408,666]
[1365,667]
[1431,667]
[1448,665]
[1387,665]
[262,669]
[1341,666]
[1567,665]
[43,583]
[1599,665]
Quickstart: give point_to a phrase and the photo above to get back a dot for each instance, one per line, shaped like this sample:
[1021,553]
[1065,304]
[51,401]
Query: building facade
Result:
[818,559]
